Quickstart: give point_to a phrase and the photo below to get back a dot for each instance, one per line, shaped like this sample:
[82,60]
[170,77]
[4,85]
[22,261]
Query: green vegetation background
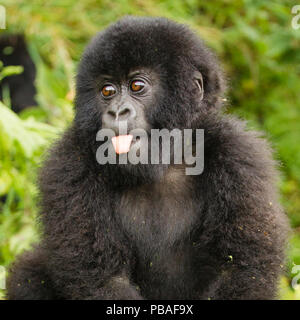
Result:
[259,51]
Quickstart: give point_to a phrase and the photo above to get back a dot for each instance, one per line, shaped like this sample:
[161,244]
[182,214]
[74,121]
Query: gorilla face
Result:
[128,99]
[149,73]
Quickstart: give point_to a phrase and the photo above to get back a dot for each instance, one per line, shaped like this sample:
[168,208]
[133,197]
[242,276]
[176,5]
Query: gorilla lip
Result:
[122,143]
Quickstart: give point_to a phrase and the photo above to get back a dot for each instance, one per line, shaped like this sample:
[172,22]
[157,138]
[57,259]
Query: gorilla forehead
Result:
[143,42]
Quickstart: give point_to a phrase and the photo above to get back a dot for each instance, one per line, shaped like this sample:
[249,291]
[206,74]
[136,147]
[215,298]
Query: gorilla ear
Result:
[197,77]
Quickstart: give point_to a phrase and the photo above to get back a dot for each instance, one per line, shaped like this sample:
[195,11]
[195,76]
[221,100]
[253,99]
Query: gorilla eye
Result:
[137,85]
[108,91]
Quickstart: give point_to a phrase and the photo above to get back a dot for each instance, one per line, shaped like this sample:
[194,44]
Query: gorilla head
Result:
[151,73]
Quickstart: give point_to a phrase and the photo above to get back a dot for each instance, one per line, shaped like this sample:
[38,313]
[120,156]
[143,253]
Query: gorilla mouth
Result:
[123,143]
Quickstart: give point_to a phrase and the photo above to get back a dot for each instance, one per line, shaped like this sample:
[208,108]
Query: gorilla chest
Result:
[156,215]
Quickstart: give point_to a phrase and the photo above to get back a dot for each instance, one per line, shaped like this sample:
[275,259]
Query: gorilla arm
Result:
[84,253]
[81,229]
[243,223]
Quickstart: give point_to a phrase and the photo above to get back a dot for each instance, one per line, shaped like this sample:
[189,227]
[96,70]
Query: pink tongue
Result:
[122,143]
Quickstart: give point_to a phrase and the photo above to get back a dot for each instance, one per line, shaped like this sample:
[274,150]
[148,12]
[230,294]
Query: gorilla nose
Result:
[115,117]
[122,114]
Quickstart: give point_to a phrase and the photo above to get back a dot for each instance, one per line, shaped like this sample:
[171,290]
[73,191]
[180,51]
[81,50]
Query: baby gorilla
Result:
[149,231]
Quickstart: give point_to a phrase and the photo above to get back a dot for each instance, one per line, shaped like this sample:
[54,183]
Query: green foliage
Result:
[9,70]
[257,46]
[22,141]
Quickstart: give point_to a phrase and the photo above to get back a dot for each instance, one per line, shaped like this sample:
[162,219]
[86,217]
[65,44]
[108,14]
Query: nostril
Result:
[111,113]
[124,112]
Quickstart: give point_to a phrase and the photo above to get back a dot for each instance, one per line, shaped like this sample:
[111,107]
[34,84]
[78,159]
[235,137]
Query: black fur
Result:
[155,233]
[21,87]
